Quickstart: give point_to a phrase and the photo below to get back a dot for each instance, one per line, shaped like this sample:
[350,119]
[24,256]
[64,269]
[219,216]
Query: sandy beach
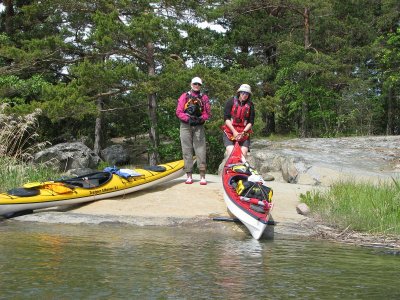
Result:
[175,203]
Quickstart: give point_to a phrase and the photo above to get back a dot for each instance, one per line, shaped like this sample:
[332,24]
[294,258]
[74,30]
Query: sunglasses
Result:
[245,93]
[197,84]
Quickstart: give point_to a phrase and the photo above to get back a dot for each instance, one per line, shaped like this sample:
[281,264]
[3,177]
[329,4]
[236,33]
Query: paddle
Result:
[228,219]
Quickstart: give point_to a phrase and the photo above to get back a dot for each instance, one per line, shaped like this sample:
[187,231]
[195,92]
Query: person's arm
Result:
[228,109]
[228,117]
[180,109]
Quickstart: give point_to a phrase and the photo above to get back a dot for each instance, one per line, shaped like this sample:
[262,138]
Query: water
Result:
[126,262]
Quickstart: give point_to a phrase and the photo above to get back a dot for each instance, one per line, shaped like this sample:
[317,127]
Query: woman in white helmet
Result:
[239,117]
[193,110]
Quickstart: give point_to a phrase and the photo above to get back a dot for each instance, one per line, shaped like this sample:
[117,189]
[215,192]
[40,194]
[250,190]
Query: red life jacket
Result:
[194,104]
[240,114]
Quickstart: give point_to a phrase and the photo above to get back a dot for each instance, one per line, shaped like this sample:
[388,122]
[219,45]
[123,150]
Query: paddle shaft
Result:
[236,220]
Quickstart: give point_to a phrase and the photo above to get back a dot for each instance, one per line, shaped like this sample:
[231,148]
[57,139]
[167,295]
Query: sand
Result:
[175,203]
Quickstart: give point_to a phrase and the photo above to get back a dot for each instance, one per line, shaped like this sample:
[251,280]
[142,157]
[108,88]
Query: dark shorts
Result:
[228,142]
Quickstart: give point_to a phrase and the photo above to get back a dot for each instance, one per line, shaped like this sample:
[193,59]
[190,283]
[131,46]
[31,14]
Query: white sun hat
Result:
[197,80]
[244,88]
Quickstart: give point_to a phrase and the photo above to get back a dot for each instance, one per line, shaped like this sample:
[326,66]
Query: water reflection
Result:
[120,262]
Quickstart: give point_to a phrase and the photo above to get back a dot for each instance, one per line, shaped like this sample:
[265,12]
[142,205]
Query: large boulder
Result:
[116,155]
[67,156]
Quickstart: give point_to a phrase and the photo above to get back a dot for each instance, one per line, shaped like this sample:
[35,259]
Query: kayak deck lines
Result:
[85,188]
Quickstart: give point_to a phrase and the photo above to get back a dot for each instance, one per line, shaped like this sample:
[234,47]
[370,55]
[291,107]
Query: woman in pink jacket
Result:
[193,110]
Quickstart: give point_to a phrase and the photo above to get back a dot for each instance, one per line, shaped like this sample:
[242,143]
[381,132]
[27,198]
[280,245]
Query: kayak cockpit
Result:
[88,181]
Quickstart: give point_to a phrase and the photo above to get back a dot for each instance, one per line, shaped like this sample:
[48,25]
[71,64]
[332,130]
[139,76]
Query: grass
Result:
[14,173]
[17,147]
[279,137]
[362,206]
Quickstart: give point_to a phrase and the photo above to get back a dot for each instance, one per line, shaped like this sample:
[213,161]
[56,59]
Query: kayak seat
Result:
[89,180]
[90,183]
[234,179]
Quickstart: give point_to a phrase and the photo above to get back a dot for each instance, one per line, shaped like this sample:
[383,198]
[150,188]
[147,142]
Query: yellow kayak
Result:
[86,188]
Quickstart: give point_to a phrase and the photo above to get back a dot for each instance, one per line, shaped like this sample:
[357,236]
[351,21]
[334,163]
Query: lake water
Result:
[51,261]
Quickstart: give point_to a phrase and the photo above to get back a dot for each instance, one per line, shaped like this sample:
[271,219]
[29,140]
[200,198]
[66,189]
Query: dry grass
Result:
[17,147]
[18,135]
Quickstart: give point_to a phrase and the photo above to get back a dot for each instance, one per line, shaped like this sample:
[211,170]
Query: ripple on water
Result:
[119,262]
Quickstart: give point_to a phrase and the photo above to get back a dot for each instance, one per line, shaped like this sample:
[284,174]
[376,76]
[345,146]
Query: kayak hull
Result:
[254,217]
[115,186]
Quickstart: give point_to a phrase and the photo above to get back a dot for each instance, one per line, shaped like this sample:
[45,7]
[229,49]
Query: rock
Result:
[322,161]
[289,171]
[268,177]
[67,156]
[116,155]
[303,209]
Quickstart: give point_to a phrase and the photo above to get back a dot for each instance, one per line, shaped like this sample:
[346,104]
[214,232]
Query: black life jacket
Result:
[194,105]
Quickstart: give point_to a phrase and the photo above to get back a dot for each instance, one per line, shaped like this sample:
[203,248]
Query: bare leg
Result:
[229,150]
[245,150]
[203,180]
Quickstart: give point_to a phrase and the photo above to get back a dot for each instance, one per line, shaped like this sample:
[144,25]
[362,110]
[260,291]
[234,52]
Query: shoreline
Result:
[172,203]
[175,203]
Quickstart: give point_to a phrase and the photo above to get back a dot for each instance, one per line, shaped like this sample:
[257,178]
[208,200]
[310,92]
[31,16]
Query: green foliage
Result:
[66,58]
[361,206]
[20,92]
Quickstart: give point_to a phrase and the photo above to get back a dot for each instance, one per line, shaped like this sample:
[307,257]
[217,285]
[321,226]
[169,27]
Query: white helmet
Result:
[196,80]
[244,88]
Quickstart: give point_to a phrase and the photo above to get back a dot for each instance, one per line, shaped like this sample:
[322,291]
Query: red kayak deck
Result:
[246,189]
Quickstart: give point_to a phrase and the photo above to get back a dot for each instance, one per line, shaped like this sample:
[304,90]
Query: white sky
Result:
[215,27]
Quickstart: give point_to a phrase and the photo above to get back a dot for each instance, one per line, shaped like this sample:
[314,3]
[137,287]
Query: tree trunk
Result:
[303,120]
[98,127]
[269,123]
[9,13]
[306,16]
[390,115]
[307,45]
[154,157]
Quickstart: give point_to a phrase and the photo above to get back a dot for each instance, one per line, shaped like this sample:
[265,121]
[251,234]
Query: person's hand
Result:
[193,121]
[200,120]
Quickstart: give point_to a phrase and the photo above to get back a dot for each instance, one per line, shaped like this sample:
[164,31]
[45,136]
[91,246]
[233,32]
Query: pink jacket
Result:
[206,114]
